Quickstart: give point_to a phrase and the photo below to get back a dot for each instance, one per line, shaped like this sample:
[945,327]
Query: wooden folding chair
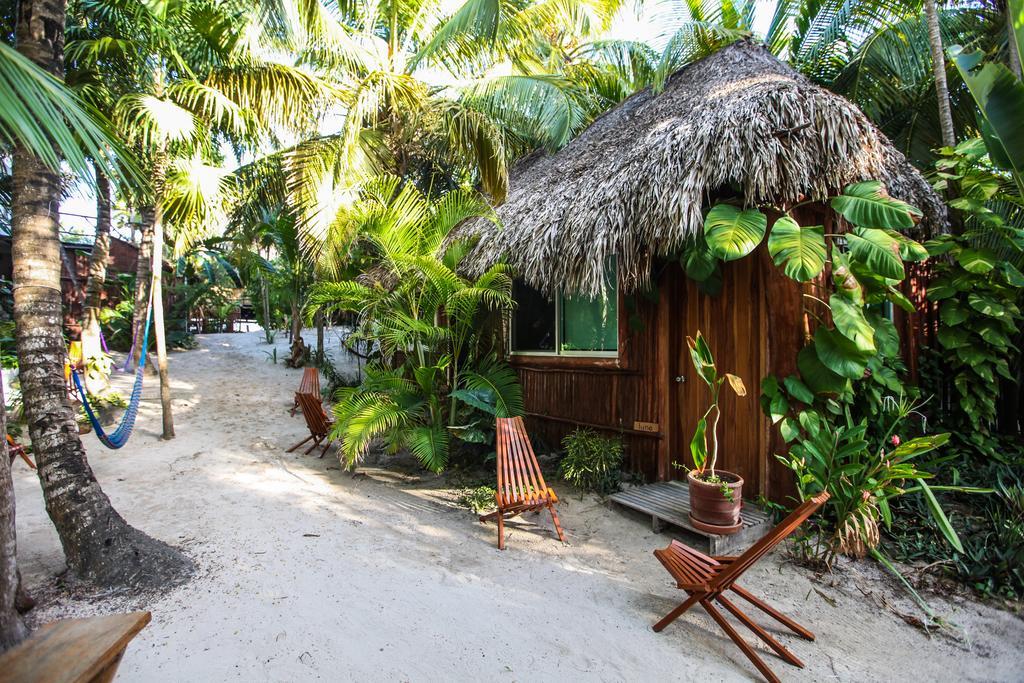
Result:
[317,421]
[521,485]
[310,384]
[706,579]
[18,450]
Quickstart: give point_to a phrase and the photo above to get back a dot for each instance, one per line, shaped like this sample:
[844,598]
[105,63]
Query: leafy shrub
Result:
[991,526]
[862,476]
[592,462]
[479,499]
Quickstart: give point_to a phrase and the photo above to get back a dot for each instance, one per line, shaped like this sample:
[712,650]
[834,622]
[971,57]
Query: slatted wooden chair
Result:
[18,450]
[521,486]
[73,650]
[317,421]
[310,384]
[706,579]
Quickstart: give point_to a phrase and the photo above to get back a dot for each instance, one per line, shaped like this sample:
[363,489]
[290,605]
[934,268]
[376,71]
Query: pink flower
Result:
[895,439]
[865,495]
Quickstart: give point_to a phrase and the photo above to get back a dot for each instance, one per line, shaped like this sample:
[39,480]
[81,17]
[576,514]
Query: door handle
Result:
[680,379]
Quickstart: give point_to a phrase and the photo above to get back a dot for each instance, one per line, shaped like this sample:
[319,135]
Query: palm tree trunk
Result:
[12,627]
[939,70]
[296,329]
[265,291]
[143,275]
[159,176]
[100,547]
[319,336]
[91,347]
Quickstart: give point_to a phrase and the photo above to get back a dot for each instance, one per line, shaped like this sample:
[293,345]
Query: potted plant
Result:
[715,495]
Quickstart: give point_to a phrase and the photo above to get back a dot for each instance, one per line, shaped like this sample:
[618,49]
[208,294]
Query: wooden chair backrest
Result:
[310,383]
[769,540]
[313,411]
[72,649]
[519,475]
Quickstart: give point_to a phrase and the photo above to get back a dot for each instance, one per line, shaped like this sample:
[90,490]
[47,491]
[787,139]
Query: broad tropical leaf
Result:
[732,233]
[1000,99]
[799,250]
[839,354]
[851,323]
[977,261]
[868,205]
[879,252]
[699,445]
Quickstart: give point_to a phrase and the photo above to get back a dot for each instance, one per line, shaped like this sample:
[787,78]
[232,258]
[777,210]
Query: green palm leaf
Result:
[502,381]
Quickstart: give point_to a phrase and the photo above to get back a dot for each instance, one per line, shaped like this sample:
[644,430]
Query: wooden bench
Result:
[73,650]
[521,486]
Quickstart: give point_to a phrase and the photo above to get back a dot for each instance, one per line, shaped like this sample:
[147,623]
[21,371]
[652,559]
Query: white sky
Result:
[653,25]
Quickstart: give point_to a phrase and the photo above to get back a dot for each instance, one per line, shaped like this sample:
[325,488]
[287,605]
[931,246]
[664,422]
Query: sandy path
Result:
[307,573]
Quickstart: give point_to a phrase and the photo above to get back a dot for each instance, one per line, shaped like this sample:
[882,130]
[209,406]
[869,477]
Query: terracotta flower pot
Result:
[711,507]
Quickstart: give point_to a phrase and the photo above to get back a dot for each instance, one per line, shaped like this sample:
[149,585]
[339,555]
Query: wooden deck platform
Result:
[668,502]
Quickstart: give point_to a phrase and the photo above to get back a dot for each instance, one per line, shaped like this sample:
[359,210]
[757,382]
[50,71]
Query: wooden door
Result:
[734,325]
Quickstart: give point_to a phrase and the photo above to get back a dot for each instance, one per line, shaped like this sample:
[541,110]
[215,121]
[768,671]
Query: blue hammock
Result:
[119,437]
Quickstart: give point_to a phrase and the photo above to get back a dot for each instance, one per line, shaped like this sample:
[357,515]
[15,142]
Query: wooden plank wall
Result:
[733,325]
[609,395]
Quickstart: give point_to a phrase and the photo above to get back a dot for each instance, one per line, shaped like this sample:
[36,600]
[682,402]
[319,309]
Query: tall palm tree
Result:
[194,80]
[447,99]
[931,14]
[879,55]
[100,547]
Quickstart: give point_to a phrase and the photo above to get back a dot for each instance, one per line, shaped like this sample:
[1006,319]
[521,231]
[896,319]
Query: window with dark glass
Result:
[533,324]
[567,324]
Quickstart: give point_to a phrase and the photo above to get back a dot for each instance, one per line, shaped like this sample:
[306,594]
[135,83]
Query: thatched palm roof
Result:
[636,182]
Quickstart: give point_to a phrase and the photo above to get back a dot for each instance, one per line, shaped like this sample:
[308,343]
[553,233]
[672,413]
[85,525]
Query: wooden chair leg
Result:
[501,532]
[299,444]
[773,613]
[558,526]
[316,442]
[490,516]
[326,446]
[742,644]
[677,612]
[760,632]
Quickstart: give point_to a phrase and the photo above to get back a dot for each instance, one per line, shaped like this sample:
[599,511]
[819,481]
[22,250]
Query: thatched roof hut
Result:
[636,183]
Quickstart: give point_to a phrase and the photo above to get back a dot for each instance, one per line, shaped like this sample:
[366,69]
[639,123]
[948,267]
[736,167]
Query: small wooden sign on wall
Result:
[645,426]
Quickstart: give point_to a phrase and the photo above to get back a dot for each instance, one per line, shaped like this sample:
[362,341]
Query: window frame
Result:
[557,353]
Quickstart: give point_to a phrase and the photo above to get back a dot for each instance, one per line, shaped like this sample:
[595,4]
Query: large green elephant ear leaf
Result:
[851,323]
[868,205]
[878,251]
[799,250]
[732,233]
[1000,99]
